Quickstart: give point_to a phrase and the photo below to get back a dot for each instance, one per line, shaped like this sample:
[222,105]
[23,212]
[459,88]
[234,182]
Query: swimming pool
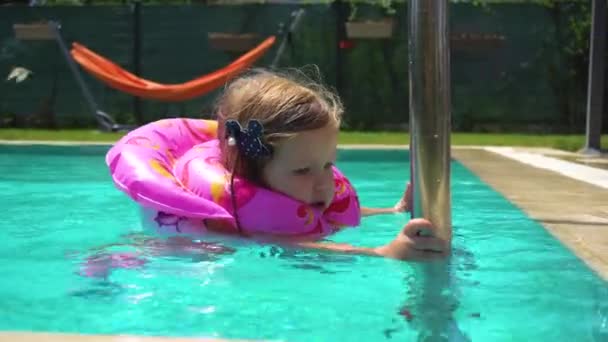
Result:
[510,280]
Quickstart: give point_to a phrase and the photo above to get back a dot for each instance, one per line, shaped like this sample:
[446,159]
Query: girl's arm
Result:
[377,211]
[404,204]
[416,241]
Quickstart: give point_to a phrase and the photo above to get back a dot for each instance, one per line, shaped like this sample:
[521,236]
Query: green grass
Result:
[58,135]
[562,142]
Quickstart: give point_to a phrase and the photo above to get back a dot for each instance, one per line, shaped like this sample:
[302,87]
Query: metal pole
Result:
[430,112]
[102,118]
[136,9]
[287,35]
[340,14]
[595,85]
[430,128]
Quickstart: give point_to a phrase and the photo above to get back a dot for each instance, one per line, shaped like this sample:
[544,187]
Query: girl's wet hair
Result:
[285,103]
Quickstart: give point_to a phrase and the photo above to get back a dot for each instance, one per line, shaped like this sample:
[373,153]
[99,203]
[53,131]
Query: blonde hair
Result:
[284,103]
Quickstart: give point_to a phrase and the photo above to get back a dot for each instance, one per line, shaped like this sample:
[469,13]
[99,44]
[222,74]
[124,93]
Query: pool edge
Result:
[574,211]
[76,143]
[26,336]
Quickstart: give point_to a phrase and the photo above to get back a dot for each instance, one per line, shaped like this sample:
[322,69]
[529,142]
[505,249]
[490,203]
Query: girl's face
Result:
[301,167]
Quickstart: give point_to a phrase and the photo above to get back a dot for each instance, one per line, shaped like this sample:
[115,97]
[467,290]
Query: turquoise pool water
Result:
[509,279]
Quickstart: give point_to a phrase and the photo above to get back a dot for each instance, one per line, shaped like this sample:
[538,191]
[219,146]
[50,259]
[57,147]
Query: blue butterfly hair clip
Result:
[248,140]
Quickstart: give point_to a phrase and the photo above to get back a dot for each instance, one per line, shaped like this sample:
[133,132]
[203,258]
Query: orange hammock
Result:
[119,78]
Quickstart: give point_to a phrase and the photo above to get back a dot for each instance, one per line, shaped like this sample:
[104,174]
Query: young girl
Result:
[265,171]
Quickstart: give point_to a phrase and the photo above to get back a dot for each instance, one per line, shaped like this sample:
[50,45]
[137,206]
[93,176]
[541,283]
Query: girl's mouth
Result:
[318,205]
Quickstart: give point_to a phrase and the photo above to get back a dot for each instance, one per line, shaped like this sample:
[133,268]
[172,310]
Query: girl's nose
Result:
[323,182]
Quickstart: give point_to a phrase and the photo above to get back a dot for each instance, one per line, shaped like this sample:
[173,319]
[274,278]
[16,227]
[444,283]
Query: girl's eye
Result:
[302,171]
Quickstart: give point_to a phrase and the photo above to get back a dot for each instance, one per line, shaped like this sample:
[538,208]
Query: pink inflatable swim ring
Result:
[172,169]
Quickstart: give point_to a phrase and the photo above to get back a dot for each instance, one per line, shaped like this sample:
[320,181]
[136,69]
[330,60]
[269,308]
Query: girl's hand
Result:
[416,241]
[405,203]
